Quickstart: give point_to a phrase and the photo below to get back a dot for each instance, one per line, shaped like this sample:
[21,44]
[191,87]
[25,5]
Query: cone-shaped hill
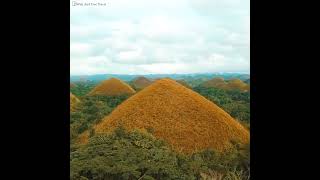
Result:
[183,118]
[216,82]
[112,87]
[73,102]
[233,84]
[141,82]
[238,84]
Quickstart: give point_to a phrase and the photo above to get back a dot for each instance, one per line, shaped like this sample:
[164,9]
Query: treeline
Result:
[135,155]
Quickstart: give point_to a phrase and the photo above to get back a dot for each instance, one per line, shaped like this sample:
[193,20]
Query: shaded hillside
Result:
[140,83]
[237,84]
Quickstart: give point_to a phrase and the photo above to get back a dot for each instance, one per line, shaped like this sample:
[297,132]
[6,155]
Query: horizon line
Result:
[248,73]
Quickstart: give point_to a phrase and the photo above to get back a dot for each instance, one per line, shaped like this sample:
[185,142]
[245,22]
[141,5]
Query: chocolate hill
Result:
[73,102]
[112,87]
[233,84]
[216,82]
[238,84]
[141,82]
[183,118]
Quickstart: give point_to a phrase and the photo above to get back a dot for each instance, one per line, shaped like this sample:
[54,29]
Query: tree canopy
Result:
[139,155]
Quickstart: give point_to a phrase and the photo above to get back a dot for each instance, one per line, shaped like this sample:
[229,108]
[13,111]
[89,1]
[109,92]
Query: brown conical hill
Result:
[73,102]
[183,118]
[112,87]
[141,82]
[238,84]
[216,82]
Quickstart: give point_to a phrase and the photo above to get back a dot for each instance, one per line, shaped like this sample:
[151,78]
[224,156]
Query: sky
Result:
[160,37]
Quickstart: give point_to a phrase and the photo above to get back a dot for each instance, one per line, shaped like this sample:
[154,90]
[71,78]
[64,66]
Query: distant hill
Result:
[101,77]
[112,87]
[217,82]
[203,76]
[238,84]
[141,82]
[232,84]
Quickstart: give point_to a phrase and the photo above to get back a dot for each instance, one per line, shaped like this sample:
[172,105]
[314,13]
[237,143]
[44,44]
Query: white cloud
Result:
[133,56]
[145,36]
[78,49]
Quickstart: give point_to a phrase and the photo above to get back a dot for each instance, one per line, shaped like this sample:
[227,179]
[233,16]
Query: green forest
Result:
[134,155]
[235,102]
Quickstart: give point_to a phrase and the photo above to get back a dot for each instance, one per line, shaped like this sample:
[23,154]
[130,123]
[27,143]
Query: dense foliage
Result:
[82,88]
[111,101]
[236,103]
[90,111]
[137,155]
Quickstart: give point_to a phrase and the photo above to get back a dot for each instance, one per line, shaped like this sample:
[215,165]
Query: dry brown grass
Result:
[112,87]
[73,102]
[183,118]
[141,82]
[83,138]
[216,82]
[238,84]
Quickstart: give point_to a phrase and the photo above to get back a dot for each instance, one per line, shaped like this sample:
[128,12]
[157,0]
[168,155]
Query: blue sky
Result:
[163,36]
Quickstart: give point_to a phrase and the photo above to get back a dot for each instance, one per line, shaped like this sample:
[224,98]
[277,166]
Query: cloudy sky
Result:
[160,36]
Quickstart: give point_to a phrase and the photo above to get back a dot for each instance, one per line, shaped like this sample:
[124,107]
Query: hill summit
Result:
[238,84]
[141,82]
[216,82]
[112,87]
[184,119]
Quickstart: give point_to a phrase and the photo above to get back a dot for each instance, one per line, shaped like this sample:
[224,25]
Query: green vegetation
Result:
[136,155]
[111,101]
[90,111]
[236,103]
[82,88]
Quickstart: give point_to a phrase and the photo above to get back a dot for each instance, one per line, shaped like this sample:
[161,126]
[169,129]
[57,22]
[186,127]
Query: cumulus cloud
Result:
[142,36]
